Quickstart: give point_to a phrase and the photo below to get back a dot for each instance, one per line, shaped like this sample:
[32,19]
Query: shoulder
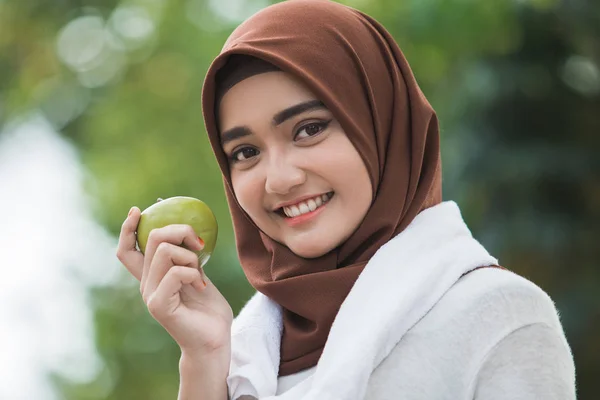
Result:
[502,296]
[485,306]
[488,317]
[489,314]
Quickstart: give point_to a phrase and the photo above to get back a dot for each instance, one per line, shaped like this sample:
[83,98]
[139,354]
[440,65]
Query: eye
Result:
[243,154]
[312,129]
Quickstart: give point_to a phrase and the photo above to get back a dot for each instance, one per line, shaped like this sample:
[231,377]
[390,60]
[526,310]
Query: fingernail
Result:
[130,212]
[201,242]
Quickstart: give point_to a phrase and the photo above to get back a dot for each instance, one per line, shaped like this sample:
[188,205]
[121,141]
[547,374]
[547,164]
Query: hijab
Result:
[354,66]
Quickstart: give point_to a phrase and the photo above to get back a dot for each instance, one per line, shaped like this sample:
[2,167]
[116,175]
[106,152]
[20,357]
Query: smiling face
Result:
[293,169]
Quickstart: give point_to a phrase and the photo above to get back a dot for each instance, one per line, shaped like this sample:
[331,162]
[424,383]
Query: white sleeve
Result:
[532,362]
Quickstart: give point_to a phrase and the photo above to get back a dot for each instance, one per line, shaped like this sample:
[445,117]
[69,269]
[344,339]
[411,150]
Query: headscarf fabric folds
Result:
[354,66]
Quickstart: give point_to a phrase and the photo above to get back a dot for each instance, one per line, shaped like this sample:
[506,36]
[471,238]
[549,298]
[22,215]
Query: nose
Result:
[282,176]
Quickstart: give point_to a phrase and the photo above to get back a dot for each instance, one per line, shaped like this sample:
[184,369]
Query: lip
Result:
[300,219]
[298,200]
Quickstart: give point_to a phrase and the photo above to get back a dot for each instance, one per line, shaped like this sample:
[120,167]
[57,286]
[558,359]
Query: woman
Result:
[368,285]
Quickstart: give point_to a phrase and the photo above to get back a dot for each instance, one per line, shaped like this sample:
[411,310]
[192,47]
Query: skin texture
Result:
[307,154]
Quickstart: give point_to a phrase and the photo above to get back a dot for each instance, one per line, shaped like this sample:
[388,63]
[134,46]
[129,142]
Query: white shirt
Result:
[413,327]
[470,346]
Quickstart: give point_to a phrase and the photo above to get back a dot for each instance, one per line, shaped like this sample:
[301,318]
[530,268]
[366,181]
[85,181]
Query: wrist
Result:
[204,376]
[204,354]
[217,361]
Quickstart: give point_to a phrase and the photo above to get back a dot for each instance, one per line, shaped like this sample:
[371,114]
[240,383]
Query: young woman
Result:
[368,284]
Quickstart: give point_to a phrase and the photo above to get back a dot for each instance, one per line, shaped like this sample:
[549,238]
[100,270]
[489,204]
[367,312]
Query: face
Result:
[293,169]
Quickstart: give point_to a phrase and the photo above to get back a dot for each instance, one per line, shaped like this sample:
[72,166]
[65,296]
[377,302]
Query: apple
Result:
[180,210]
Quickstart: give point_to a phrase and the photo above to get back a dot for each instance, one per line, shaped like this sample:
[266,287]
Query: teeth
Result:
[294,211]
[305,206]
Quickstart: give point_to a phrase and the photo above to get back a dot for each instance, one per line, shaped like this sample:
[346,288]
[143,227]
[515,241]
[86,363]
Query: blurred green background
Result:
[100,111]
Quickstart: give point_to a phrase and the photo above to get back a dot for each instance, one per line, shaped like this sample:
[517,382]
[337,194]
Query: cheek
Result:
[247,190]
[343,167]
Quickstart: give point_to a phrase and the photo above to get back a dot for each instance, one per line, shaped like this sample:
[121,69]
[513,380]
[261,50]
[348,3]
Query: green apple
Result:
[180,210]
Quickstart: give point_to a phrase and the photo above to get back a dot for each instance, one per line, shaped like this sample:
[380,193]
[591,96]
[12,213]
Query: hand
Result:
[175,289]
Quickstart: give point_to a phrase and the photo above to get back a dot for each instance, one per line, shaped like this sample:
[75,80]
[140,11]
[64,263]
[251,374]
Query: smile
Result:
[306,206]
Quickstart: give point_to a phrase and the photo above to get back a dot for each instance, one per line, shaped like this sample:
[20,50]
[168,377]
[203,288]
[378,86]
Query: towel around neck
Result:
[352,64]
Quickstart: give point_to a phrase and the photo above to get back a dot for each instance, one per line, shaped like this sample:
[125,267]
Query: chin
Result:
[310,250]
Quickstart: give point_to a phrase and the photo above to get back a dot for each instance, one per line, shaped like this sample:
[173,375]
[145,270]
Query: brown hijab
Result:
[352,64]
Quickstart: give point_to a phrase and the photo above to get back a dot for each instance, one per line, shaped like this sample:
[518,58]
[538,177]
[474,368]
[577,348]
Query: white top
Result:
[412,327]
[461,349]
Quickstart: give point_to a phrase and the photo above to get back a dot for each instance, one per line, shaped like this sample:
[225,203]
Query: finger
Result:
[176,234]
[164,259]
[203,276]
[127,253]
[163,300]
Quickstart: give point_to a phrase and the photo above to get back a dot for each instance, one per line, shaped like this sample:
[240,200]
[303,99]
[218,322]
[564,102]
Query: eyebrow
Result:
[279,118]
[292,111]
[234,133]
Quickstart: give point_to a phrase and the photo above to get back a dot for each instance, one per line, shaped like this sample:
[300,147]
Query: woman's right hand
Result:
[174,288]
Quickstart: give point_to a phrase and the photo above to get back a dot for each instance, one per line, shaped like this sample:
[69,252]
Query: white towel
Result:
[403,280]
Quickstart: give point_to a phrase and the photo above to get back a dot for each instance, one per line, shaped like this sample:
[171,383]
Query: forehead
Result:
[261,95]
